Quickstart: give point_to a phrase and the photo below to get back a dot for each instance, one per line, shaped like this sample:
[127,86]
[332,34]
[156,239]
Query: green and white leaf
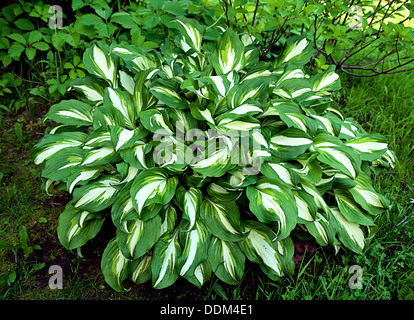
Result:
[141,269]
[71,112]
[321,229]
[370,147]
[100,156]
[289,144]
[281,171]
[75,229]
[59,167]
[191,205]
[97,195]
[156,121]
[349,233]
[297,50]
[114,266]
[195,248]
[201,274]
[272,200]
[122,103]
[326,81]
[53,143]
[255,89]
[90,87]
[215,164]
[164,265]
[167,93]
[229,54]
[227,260]
[222,219]
[365,195]
[192,32]
[333,152]
[123,138]
[152,186]
[350,209]
[259,246]
[136,155]
[142,237]
[81,176]
[99,63]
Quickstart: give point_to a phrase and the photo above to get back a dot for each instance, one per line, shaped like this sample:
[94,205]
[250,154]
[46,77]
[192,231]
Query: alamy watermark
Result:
[56,280]
[56,21]
[355,282]
[355,17]
[205,148]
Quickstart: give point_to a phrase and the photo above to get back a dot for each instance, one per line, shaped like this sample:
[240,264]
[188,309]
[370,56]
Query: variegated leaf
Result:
[141,237]
[365,195]
[60,166]
[255,89]
[349,233]
[272,200]
[51,144]
[100,137]
[99,63]
[167,93]
[195,248]
[100,156]
[326,81]
[71,112]
[141,269]
[191,205]
[333,152]
[123,138]
[156,121]
[280,171]
[75,229]
[259,246]
[192,32]
[370,147]
[227,260]
[121,102]
[164,265]
[297,50]
[90,87]
[222,219]
[229,54]
[114,266]
[214,164]
[220,83]
[152,186]
[81,176]
[350,209]
[289,144]
[126,81]
[321,229]
[97,195]
[136,155]
[201,274]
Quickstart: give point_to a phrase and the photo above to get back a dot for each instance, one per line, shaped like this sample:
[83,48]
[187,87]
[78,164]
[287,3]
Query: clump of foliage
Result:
[205,154]
[361,38]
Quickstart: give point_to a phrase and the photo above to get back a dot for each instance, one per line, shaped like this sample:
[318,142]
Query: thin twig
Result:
[31,81]
[255,12]
[375,13]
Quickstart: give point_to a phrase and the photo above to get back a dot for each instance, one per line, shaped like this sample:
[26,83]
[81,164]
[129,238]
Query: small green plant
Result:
[205,154]
[27,267]
[360,38]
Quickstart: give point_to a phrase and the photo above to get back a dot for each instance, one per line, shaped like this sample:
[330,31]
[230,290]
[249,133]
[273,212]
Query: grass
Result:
[381,104]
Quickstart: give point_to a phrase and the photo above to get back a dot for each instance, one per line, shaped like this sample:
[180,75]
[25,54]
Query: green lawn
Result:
[383,104]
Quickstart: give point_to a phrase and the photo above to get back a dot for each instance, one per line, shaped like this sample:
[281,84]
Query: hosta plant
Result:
[206,157]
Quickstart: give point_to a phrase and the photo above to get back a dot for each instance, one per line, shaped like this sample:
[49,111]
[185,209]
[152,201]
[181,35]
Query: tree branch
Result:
[255,12]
